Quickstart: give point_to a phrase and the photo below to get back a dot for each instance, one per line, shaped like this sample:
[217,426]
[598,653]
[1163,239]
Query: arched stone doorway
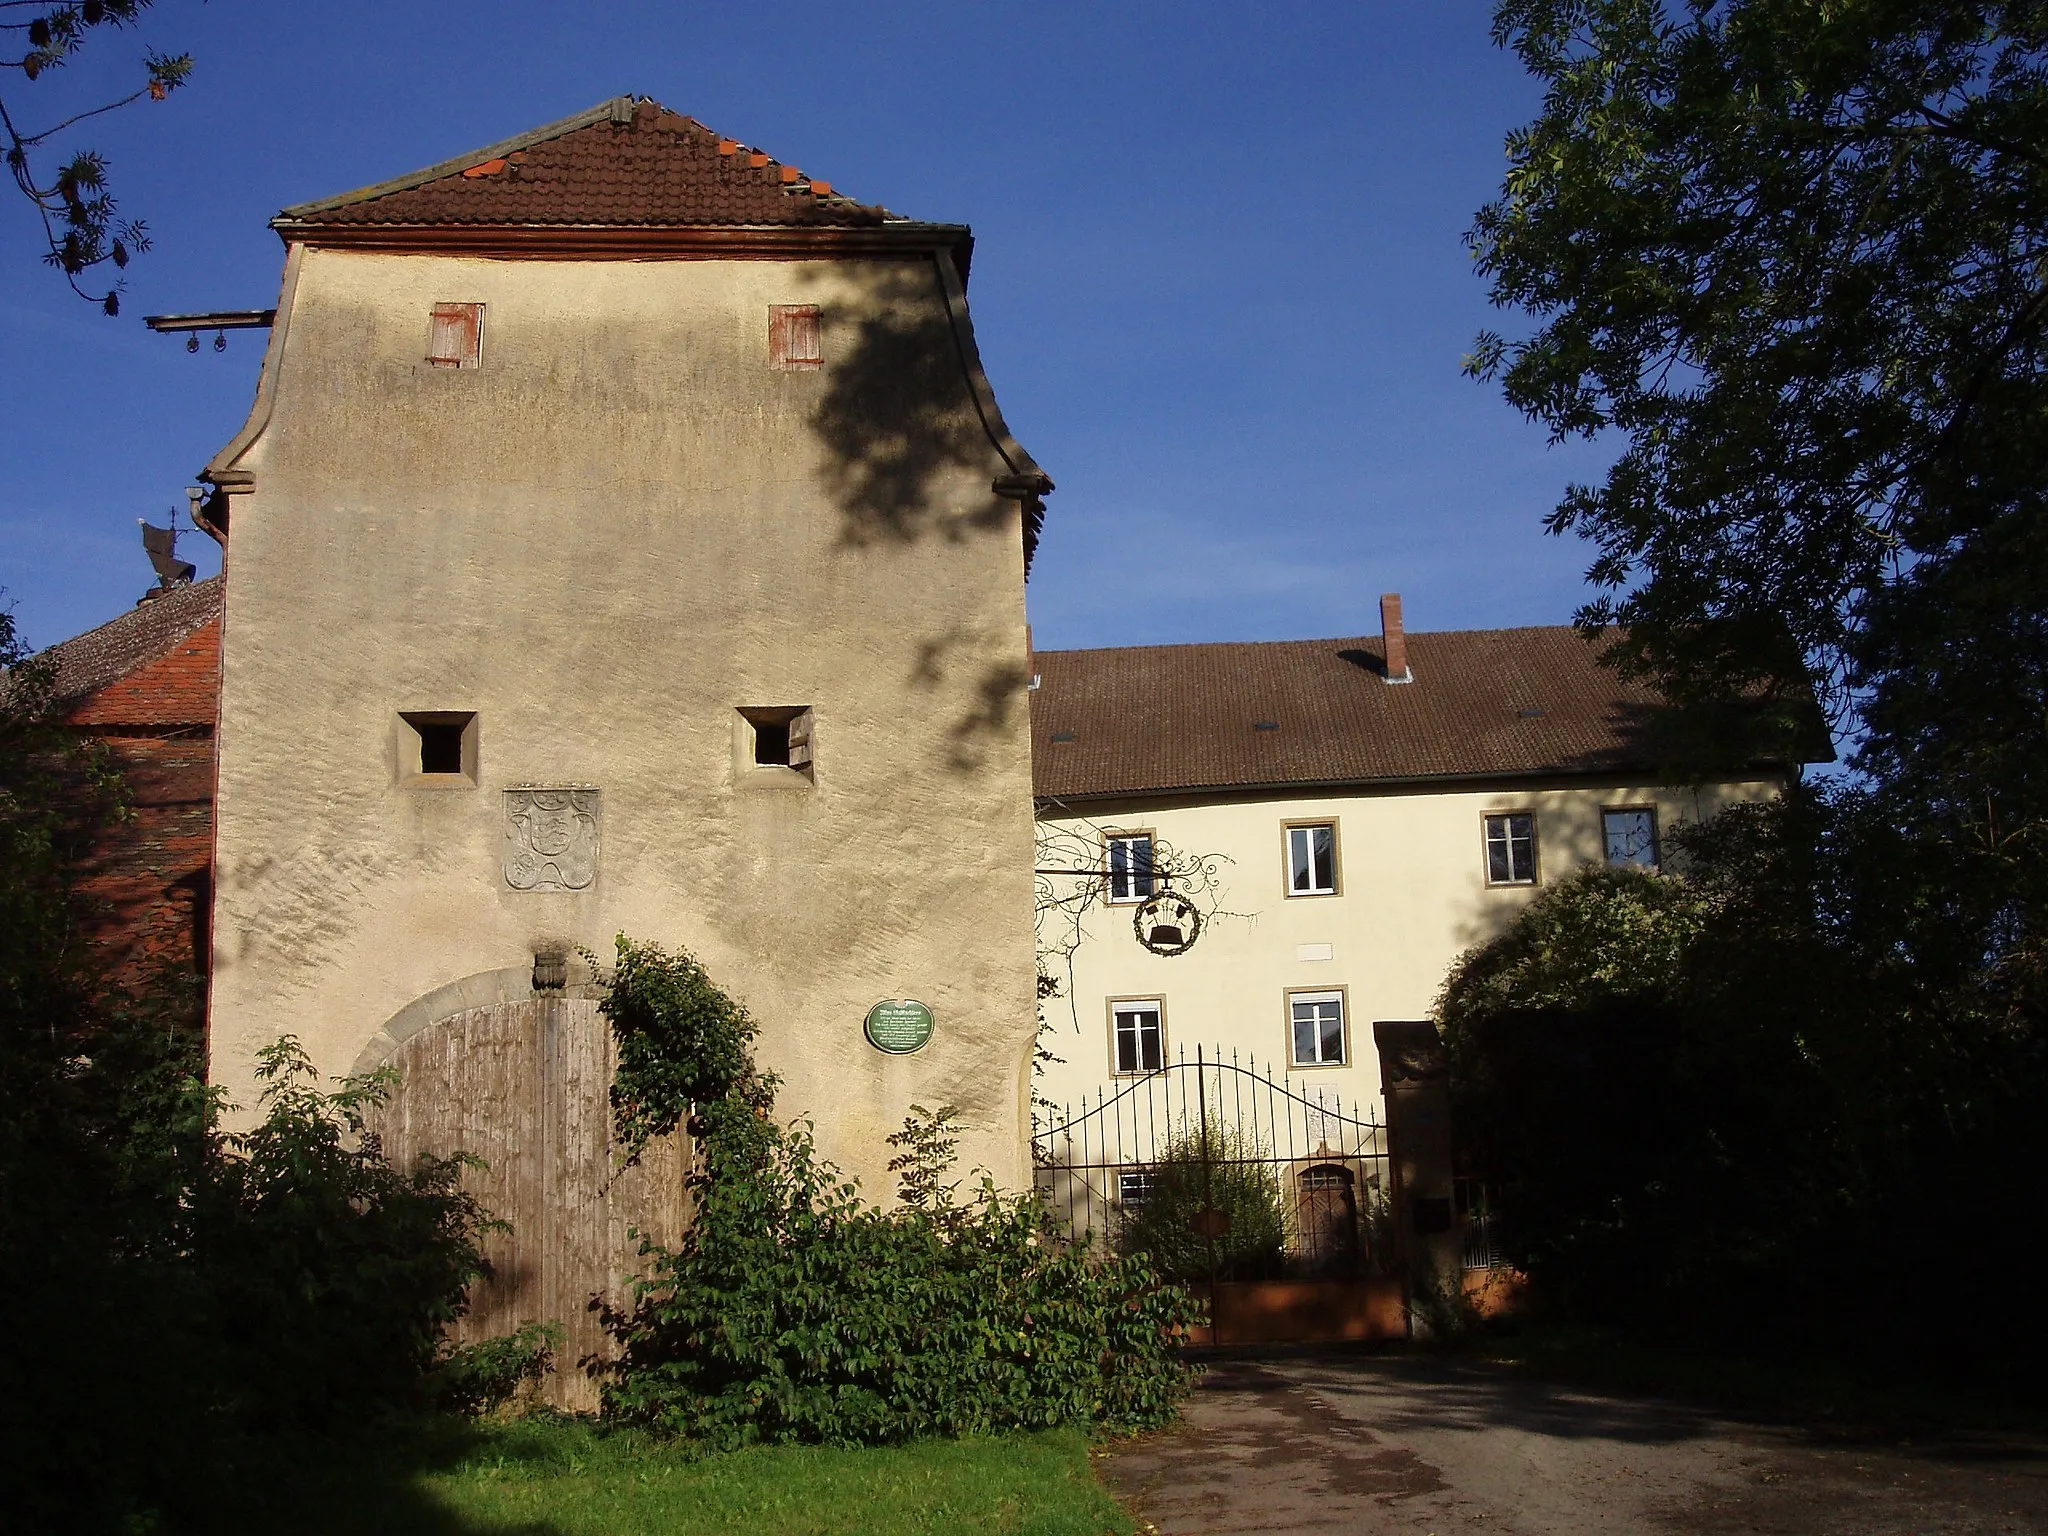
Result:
[1326,1213]
[521,1081]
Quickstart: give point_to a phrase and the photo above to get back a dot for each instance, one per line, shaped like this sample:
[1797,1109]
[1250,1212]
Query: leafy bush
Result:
[1619,1121]
[1204,1170]
[330,1273]
[794,1311]
[179,1291]
[170,1291]
[1718,1102]
[1600,934]
[478,1378]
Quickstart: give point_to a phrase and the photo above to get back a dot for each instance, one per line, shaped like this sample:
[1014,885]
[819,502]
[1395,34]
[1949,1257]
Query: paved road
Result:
[1369,1444]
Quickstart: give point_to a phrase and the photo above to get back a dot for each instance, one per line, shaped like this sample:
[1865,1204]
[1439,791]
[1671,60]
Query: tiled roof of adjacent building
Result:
[629,162]
[1483,703]
[94,661]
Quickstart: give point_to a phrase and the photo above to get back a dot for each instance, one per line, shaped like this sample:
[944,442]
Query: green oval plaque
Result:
[899,1027]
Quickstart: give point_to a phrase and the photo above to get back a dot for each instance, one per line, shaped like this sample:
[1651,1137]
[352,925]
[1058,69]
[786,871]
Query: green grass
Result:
[552,1478]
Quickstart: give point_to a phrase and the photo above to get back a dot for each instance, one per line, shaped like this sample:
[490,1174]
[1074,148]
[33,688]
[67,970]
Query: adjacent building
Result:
[1345,816]
[144,686]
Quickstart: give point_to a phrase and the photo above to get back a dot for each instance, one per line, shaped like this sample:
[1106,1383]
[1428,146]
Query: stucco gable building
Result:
[1358,812]
[625,539]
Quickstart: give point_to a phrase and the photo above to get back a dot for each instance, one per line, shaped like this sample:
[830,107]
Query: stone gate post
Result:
[1414,1074]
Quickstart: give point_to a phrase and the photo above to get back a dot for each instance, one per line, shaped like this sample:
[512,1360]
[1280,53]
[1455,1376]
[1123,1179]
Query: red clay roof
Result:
[182,625]
[653,169]
[1483,703]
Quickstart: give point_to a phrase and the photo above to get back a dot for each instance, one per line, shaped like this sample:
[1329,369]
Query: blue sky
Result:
[1219,280]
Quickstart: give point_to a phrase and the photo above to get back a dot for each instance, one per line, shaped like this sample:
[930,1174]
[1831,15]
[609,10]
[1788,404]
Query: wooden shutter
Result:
[455,336]
[794,337]
[800,741]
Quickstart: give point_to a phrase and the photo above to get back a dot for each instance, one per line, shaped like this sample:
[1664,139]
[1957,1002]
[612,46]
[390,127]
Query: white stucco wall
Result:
[618,530]
[1412,895]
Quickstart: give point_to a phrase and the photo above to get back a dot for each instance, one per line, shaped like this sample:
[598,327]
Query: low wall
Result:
[1304,1312]
[1491,1293]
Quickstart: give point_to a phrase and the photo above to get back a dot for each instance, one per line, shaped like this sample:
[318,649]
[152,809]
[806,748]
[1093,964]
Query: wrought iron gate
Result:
[1222,1172]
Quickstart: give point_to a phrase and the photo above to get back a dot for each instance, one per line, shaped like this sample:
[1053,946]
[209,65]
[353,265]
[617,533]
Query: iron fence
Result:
[1221,1171]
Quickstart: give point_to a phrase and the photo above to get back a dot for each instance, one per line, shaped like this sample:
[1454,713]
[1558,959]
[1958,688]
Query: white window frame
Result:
[1134,1187]
[1318,998]
[1136,1007]
[1504,821]
[1306,831]
[1124,885]
[1656,858]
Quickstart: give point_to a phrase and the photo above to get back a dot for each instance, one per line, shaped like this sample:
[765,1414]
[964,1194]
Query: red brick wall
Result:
[149,879]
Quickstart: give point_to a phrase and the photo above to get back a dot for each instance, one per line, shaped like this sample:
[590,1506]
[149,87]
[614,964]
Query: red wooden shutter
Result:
[794,340]
[455,336]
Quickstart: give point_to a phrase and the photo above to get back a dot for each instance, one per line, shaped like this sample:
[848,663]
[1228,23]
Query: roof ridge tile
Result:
[656,169]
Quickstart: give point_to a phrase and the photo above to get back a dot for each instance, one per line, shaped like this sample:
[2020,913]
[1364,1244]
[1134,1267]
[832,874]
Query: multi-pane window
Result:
[455,336]
[1130,866]
[1318,1019]
[1134,1187]
[1631,836]
[1312,860]
[1511,849]
[1139,1030]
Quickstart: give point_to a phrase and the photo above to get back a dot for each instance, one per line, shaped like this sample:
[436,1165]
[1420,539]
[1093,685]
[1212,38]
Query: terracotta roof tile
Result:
[1483,703]
[88,663]
[656,169]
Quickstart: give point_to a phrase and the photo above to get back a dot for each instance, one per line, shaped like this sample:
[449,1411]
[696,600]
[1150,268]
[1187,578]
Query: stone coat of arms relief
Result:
[551,839]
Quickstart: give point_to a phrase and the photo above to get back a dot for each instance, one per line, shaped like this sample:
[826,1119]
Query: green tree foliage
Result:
[72,200]
[1789,257]
[794,1311]
[1791,261]
[681,1040]
[1750,1099]
[1213,1209]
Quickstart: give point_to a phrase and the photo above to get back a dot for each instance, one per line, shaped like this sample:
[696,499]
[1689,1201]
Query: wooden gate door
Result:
[524,1086]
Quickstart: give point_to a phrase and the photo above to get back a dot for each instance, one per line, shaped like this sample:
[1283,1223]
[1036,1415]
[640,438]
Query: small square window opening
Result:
[794,337]
[1140,1031]
[455,335]
[780,737]
[1134,1187]
[1312,860]
[1631,836]
[1318,1019]
[771,742]
[1131,875]
[438,745]
[1511,849]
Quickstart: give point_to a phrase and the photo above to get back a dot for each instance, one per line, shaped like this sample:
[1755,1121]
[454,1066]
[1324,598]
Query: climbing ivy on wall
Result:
[794,1310]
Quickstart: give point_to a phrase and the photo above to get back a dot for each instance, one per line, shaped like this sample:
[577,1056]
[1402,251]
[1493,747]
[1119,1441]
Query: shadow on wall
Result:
[909,454]
[994,699]
[899,413]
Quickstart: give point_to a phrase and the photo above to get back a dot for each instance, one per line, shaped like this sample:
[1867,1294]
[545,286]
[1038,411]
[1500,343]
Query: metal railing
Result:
[1220,1170]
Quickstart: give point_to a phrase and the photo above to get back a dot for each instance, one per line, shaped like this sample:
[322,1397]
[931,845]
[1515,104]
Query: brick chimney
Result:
[1395,639]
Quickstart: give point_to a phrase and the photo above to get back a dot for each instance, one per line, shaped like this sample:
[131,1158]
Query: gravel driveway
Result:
[1365,1444]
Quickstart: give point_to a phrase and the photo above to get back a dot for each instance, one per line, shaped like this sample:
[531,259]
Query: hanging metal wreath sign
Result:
[1168,924]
